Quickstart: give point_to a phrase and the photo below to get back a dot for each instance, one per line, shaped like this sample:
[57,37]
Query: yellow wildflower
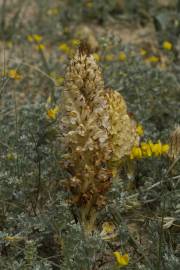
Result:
[122,260]
[167,45]
[64,48]
[157,148]
[165,148]
[11,156]
[140,130]
[108,231]
[30,38]
[146,149]
[153,59]
[75,42]
[143,52]
[49,100]
[35,38]
[59,81]
[136,152]
[40,47]
[109,57]
[122,56]
[96,57]
[13,74]
[52,113]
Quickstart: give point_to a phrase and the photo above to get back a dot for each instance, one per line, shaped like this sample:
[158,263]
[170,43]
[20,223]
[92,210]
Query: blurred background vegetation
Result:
[137,45]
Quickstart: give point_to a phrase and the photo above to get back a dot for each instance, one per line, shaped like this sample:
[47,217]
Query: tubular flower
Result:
[97,132]
[13,74]
[167,45]
[140,130]
[122,260]
[52,113]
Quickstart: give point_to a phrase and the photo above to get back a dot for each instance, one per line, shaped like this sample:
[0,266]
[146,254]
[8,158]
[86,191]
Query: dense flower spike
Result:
[97,134]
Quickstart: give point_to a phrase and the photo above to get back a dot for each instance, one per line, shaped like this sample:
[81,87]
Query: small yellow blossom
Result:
[11,156]
[75,42]
[167,45]
[153,59]
[136,152]
[143,52]
[64,48]
[13,74]
[30,38]
[146,149]
[122,260]
[140,130]
[34,38]
[109,57]
[159,149]
[96,57]
[122,56]
[165,148]
[52,113]
[108,231]
[49,99]
[40,47]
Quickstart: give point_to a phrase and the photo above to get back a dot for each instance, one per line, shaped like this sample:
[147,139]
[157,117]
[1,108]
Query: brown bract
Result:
[174,149]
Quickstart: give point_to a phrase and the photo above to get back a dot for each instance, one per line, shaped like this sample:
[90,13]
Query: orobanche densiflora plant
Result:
[97,136]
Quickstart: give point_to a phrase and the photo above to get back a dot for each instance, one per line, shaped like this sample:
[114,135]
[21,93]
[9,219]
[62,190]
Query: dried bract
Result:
[174,150]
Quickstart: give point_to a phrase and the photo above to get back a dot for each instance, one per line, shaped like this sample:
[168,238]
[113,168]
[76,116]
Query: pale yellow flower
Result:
[11,156]
[34,38]
[153,59]
[122,56]
[13,74]
[167,45]
[75,42]
[96,57]
[143,52]
[52,113]
[109,57]
[30,38]
[140,130]
[49,99]
[108,231]
[64,48]
[40,47]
